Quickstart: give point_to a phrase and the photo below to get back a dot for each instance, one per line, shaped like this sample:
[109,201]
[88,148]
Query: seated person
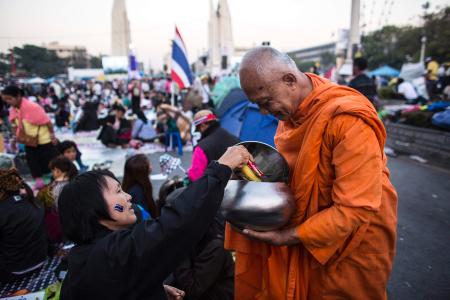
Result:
[116,130]
[23,238]
[213,143]
[62,115]
[63,170]
[209,272]
[408,91]
[70,150]
[136,182]
[113,254]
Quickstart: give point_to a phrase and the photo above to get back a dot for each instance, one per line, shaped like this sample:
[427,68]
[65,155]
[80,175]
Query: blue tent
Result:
[246,122]
[385,71]
[234,96]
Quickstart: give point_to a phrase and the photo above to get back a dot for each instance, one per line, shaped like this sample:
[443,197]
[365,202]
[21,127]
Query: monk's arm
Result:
[356,191]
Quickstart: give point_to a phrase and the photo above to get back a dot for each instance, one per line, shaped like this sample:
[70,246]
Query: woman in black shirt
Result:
[114,259]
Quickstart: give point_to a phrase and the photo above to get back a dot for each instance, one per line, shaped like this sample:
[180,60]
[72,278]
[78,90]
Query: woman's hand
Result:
[173,293]
[235,157]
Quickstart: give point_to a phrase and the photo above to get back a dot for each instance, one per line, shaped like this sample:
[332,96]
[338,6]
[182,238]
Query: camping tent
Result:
[385,71]
[246,122]
[234,97]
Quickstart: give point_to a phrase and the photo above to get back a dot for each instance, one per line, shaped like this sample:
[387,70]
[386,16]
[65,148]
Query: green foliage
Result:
[392,45]
[39,61]
[95,62]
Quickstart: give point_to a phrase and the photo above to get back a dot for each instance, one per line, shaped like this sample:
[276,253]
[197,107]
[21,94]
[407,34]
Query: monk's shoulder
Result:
[344,126]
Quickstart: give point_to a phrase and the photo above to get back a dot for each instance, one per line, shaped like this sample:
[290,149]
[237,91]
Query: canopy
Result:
[385,71]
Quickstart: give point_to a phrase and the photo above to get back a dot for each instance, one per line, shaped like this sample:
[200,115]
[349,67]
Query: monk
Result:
[340,242]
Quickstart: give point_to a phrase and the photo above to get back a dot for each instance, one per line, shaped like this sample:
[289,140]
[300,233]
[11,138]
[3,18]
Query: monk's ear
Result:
[289,79]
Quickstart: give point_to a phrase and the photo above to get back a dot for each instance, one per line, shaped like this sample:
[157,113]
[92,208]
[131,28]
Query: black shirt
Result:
[365,85]
[208,275]
[132,263]
[23,239]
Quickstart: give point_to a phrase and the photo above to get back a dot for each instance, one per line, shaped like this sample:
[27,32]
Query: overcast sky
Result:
[288,24]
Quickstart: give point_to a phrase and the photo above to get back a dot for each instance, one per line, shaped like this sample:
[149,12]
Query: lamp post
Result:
[425,7]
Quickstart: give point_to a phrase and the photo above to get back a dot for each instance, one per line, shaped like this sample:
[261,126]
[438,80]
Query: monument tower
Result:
[120,30]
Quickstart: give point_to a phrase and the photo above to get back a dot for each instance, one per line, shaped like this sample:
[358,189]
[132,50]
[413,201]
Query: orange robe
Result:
[346,207]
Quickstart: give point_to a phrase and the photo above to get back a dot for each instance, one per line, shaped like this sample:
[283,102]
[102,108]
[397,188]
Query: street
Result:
[422,265]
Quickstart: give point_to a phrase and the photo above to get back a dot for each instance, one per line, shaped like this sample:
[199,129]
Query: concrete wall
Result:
[428,143]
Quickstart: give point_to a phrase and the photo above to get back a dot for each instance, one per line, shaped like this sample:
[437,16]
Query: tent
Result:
[223,87]
[244,120]
[36,80]
[234,97]
[385,71]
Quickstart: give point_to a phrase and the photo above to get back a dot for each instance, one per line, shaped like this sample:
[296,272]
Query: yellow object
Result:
[248,173]
[33,130]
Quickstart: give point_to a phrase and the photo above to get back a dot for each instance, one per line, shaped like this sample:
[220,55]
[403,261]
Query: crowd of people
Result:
[51,217]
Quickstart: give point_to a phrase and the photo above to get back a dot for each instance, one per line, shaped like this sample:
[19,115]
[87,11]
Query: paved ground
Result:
[422,264]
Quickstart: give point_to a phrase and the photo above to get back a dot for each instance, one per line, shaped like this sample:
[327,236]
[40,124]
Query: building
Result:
[220,39]
[120,30]
[312,54]
[76,56]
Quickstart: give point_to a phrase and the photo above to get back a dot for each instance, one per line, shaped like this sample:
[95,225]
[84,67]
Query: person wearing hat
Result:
[213,143]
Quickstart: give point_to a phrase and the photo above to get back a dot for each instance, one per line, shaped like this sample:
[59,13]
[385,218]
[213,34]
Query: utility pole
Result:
[354,36]
[425,7]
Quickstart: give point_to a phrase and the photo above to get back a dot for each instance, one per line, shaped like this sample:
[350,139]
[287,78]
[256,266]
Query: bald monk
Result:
[340,242]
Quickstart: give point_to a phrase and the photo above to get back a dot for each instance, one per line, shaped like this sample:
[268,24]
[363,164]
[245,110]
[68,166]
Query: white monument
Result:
[120,30]
[220,39]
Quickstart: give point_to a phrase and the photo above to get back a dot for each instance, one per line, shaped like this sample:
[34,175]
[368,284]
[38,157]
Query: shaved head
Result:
[264,59]
[272,80]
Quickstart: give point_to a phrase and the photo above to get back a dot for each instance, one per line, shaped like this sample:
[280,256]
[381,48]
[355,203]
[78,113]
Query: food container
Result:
[265,205]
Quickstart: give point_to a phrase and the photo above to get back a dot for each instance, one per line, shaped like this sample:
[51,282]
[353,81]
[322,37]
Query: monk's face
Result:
[275,94]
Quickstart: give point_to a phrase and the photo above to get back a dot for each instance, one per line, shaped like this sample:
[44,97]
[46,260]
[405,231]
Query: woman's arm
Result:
[159,246]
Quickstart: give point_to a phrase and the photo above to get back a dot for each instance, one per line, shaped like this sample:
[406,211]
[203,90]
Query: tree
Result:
[392,45]
[38,61]
[95,62]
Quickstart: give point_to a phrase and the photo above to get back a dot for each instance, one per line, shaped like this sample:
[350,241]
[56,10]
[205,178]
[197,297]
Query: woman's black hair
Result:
[65,165]
[67,144]
[81,206]
[12,90]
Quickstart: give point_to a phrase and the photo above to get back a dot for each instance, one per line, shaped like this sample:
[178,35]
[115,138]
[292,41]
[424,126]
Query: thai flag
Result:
[181,72]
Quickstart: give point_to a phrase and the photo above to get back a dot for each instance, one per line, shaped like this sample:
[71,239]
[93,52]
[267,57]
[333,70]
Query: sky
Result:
[287,24]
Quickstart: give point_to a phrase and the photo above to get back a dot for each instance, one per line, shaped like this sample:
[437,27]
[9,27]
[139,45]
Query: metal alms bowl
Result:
[265,205]
[261,206]
[268,160]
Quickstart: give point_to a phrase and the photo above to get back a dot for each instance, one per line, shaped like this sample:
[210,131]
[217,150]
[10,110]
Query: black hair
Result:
[65,165]
[13,91]
[168,187]
[67,144]
[361,63]
[81,206]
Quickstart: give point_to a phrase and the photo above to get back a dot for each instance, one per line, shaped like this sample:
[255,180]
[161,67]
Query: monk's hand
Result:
[284,237]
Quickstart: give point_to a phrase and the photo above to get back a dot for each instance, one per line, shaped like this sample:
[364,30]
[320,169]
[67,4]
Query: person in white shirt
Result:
[407,90]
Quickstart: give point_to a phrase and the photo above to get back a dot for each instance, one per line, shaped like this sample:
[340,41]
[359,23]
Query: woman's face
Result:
[13,101]
[119,205]
[71,153]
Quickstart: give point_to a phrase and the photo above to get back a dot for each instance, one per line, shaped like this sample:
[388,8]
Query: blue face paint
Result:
[118,208]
